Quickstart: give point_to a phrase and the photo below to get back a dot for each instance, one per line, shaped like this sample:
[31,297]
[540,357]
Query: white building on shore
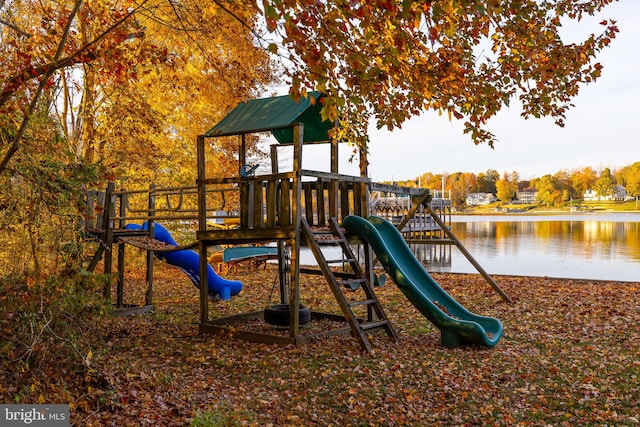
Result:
[480,199]
[619,195]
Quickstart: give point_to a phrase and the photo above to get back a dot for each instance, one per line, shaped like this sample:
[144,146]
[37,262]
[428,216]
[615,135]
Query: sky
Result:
[600,131]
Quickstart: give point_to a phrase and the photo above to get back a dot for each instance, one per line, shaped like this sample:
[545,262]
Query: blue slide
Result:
[189,262]
[458,325]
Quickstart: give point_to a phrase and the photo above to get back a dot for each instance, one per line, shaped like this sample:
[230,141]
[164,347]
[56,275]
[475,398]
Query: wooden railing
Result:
[270,202]
[153,204]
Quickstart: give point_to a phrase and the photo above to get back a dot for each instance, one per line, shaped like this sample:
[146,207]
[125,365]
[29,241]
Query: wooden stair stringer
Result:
[377,318]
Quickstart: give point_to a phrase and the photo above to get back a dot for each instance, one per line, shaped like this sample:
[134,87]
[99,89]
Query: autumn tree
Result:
[38,39]
[507,186]
[130,85]
[390,60]
[461,184]
[583,179]
[38,201]
[209,70]
[382,60]
[433,181]
[606,183]
[549,189]
[630,177]
[95,51]
[486,182]
[562,183]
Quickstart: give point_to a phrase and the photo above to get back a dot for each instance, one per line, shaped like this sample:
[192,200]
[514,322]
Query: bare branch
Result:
[15,28]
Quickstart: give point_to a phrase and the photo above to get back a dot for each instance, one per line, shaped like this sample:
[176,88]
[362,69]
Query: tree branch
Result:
[56,64]
[46,71]
[15,28]
[15,146]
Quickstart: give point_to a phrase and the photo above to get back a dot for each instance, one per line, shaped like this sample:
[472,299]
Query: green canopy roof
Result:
[276,115]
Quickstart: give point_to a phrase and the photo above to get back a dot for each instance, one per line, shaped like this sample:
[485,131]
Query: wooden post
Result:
[202,226]
[322,219]
[102,224]
[466,253]
[333,184]
[369,262]
[242,151]
[334,156]
[245,199]
[282,258]
[294,289]
[150,254]
[333,198]
[108,213]
[307,189]
[121,249]
[275,168]
[102,197]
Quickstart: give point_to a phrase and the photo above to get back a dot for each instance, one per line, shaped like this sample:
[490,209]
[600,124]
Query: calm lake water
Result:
[604,246]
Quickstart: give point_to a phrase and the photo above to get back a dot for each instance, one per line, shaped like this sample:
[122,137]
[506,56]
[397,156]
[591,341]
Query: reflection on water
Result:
[433,256]
[600,246]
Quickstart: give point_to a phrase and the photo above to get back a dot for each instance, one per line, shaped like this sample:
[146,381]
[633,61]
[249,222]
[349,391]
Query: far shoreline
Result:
[541,212]
[500,208]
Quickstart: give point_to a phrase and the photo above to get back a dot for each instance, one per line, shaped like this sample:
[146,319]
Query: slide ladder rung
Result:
[341,261]
[364,302]
[328,239]
[375,324]
[311,271]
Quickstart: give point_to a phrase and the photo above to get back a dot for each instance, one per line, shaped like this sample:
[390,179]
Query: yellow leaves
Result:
[448,78]
[329,112]
[88,358]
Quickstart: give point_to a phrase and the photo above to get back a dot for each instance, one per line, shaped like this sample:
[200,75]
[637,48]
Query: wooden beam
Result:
[294,288]
[202,227]
[466,253]
[109,211]
[396,189]
[328,175]
[421,200]
[246,235]
[236,180]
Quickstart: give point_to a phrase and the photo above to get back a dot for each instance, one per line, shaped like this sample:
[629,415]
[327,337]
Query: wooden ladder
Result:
[340,281]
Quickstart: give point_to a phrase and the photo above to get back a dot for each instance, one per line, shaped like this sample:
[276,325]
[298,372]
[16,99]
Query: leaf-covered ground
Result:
[570,356]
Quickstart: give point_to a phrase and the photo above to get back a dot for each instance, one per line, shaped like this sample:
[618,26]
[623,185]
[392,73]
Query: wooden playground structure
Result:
[289,208]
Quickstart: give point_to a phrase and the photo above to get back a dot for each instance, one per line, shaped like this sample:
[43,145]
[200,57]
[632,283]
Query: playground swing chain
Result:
[286,257]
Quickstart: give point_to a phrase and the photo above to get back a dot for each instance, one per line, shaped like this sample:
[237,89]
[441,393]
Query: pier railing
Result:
[400,206]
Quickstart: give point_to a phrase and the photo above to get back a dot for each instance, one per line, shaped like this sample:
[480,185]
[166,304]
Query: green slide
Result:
[458,325]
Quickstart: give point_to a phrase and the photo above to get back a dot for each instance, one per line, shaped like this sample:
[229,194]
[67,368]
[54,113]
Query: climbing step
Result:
[352,284]
[375,324]
[363,302]
[339,281]
[340,261]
